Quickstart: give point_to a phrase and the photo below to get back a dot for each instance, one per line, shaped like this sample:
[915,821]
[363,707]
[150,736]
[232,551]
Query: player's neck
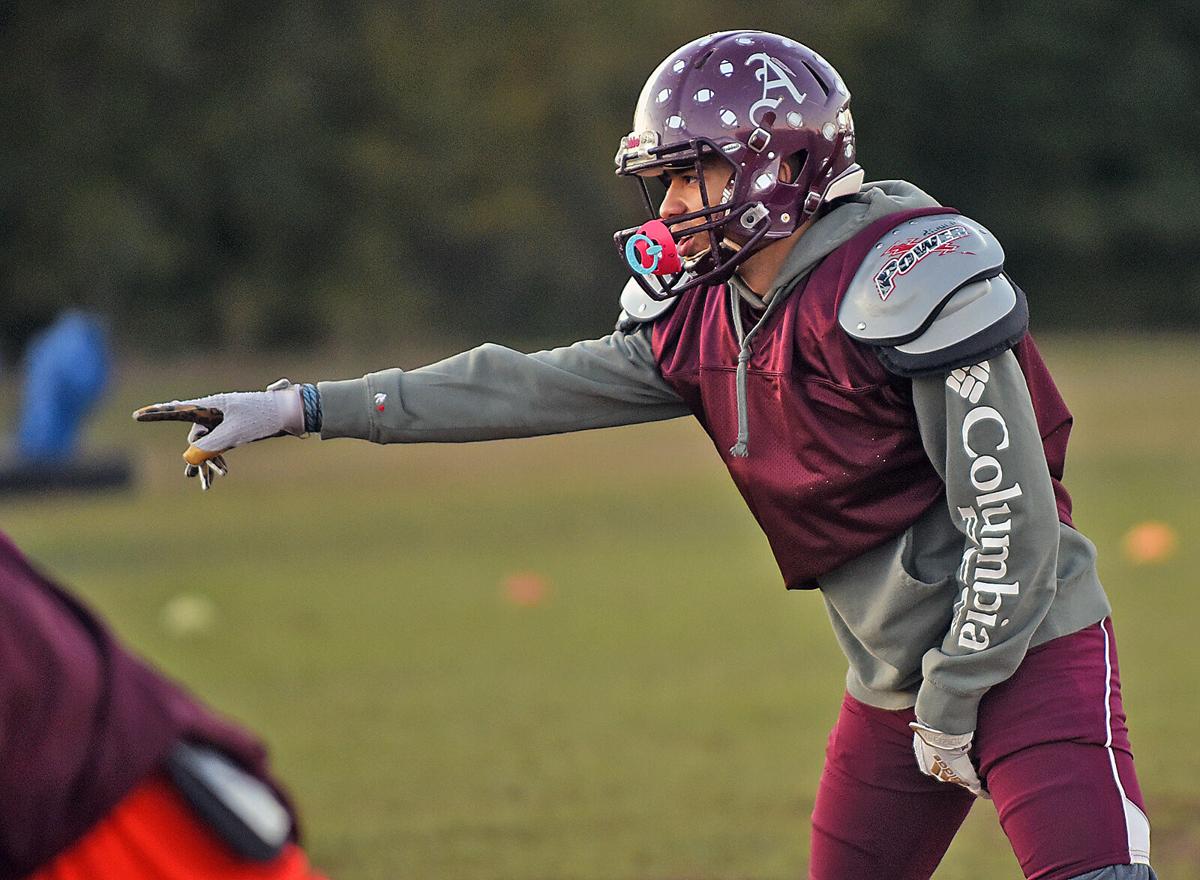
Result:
[760,271]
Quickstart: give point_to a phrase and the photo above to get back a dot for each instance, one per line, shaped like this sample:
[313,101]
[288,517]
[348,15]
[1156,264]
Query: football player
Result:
[113,772]
[859,356]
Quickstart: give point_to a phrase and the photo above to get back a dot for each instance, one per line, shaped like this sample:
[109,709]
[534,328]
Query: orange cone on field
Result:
[525,588]
[1150,543]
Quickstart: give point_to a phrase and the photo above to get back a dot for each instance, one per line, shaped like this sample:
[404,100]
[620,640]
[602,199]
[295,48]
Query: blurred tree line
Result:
[281,173]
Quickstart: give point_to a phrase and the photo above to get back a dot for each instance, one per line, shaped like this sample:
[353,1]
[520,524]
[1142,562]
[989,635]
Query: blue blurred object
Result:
[67,369]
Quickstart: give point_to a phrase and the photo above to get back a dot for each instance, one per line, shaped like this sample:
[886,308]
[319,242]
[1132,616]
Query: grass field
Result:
[660,713]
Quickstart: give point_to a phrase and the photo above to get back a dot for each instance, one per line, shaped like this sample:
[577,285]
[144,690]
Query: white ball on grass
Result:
[188,615]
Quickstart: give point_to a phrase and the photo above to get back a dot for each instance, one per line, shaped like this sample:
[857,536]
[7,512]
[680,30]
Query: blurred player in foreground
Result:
[112,772]
[861,361]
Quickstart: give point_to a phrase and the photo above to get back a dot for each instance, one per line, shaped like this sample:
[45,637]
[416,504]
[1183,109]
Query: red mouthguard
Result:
[656,249]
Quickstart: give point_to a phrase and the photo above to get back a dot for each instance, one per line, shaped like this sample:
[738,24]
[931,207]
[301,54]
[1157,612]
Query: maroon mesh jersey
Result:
[836,464]
[82,721]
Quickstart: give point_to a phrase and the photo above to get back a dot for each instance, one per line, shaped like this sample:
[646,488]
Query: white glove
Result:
[221,422]
[944,756]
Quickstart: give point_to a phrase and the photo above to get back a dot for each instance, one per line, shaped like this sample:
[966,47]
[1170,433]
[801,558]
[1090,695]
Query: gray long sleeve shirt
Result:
[934,617]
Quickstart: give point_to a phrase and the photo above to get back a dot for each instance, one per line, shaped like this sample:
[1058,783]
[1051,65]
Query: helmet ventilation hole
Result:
[820,82]
[796,163]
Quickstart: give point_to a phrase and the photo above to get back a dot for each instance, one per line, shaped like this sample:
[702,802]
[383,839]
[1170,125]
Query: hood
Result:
[842,222]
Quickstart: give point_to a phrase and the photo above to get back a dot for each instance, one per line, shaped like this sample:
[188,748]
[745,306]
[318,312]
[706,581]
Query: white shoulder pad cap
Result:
[639,307]
[910,273]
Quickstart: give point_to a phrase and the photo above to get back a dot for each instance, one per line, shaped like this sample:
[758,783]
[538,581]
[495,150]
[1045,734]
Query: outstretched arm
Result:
[492,392]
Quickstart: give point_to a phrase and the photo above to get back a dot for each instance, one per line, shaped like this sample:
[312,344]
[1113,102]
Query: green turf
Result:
[661,714]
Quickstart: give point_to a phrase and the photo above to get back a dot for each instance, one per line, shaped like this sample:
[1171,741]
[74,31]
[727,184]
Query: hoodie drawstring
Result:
[741,449]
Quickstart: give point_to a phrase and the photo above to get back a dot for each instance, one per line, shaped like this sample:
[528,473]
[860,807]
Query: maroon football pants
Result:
[1051,747]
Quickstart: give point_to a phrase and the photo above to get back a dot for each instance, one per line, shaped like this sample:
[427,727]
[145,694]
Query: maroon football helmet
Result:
[754,100]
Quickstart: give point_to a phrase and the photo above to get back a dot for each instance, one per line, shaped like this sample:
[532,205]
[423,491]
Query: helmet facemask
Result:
[651,249]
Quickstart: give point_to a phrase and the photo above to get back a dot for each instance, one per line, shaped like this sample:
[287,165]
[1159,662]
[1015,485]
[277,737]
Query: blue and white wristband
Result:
[311,399]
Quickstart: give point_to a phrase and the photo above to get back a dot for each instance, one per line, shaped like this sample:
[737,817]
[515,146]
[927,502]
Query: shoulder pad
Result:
[932,296]
[980,320]
[638,307]
[911,272]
